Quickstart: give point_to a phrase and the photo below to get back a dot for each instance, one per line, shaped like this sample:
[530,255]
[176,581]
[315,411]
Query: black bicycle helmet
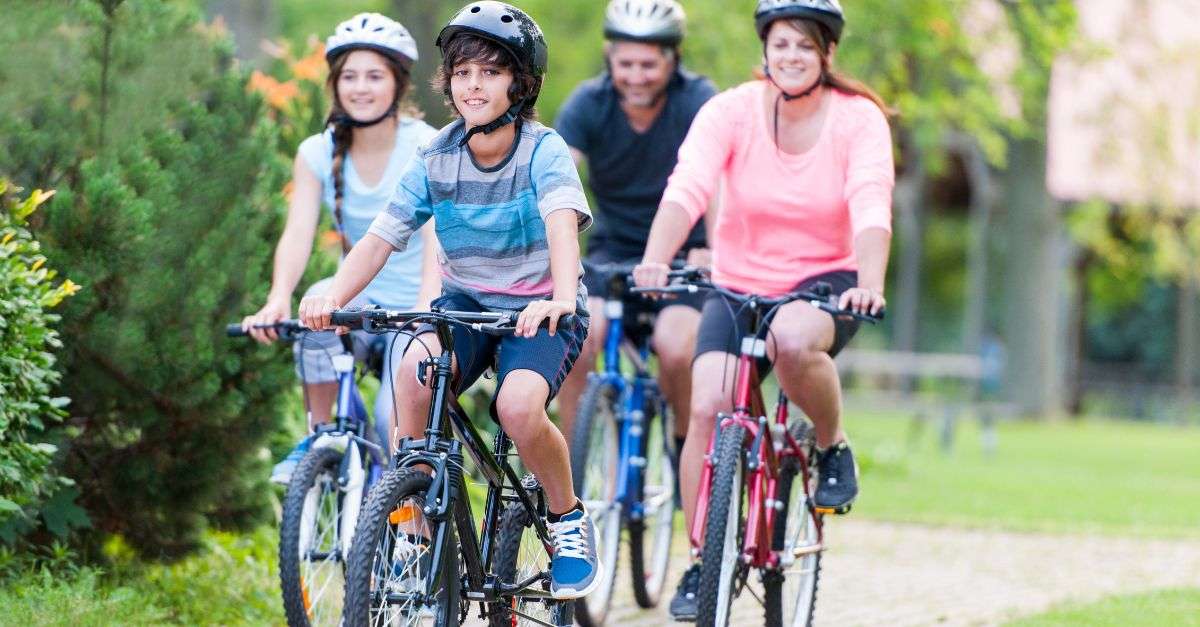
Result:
[828,13]
[504,24]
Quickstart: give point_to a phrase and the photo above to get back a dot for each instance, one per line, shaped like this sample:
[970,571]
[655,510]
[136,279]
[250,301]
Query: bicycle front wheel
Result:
[594,462]
[721,566]
[650,534]
[311,566]
[390,568]
[791,591]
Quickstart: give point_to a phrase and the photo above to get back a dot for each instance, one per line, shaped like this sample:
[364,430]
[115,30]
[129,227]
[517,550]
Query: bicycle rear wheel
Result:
[311,564]
[650,535]
[520,555]
[391,562]
[791,591]
[594,462]
[721,566]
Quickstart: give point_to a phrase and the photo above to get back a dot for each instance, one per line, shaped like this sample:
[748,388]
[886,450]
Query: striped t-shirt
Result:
[489,221]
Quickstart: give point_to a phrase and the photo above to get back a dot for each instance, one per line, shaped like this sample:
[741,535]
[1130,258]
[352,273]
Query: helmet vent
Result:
[506,18]
[475,9]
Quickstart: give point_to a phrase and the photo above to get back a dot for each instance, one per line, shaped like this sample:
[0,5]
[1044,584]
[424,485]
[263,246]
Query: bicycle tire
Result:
[648,561]
[514,532]
[376,532]
[321,465]
[595,431]
[792,601]
[720,561]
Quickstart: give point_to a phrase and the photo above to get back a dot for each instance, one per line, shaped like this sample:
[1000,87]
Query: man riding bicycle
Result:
[627,125]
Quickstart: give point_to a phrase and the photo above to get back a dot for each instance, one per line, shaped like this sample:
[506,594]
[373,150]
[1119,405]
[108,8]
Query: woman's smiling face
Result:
[793,58]
[480,91]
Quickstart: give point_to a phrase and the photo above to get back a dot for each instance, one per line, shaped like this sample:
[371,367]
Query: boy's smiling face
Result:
[480,91]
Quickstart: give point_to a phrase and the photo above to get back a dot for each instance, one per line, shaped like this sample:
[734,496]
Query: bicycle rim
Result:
[596,461]
[800,575]
[650,540]
[311,565]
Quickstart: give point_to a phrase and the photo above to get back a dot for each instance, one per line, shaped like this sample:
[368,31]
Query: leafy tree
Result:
[168,204]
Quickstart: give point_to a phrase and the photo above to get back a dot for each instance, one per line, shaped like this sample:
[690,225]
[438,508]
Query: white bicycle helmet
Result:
[372,31]
[826,12]
[651,21]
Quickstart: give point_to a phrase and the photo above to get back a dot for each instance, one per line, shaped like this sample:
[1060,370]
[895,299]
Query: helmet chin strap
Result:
[346,120]
[509,117]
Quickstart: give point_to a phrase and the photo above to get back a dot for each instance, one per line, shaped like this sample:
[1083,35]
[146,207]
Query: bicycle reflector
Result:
[402,514]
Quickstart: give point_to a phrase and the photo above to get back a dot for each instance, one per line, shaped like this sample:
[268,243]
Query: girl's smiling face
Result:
[480,91]
[366,87]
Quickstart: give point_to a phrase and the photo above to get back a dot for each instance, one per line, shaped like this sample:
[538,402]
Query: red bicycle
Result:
[749,484]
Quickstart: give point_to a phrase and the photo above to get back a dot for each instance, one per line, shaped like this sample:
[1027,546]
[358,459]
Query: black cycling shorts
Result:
[720,332]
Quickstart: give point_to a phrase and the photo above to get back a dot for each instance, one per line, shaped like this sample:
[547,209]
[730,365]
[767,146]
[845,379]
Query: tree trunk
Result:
[250,22]
[1187,358]
[910,209]
[1034,283]
[424,20]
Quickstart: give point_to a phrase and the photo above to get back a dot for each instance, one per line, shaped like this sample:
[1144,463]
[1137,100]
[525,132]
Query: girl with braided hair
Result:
[352,168]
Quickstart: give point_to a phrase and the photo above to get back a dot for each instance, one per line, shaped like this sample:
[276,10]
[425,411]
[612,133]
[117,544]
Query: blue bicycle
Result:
[622,452]
[325,494]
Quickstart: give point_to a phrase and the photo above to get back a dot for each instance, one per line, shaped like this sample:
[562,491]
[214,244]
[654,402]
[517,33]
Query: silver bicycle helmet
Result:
[651,21]
[825,12]
[372,31]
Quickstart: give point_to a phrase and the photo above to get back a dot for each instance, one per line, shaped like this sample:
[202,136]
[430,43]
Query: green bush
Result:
[28,291]
[168,206]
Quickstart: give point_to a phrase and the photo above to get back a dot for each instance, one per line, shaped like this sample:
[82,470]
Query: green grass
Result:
[1092,475]
[1179,608]
[232,581]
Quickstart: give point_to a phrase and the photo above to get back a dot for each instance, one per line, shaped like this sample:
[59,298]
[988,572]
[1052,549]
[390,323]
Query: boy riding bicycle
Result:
[508,204]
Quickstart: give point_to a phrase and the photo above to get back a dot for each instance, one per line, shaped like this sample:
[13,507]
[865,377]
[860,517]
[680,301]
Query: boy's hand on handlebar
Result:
[272,312]
[315,310]
[531,317]
[651,274]
[862,301]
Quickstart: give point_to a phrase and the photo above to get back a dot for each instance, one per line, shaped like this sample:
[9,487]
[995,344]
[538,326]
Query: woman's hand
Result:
[272,312]
[531,317]
[651,274]
[862,300]
[315,310]
[700,258]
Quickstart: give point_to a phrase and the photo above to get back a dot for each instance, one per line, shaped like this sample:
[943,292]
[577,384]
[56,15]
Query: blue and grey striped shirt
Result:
[489,221]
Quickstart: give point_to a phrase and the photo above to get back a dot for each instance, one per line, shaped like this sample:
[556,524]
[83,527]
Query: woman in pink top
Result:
[804,159]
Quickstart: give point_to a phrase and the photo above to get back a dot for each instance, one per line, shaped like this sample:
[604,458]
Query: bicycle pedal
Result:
[833,511]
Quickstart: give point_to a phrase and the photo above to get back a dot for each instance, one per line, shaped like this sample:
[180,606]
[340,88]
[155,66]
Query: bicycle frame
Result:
[768,442]
[631,423]
[447,433]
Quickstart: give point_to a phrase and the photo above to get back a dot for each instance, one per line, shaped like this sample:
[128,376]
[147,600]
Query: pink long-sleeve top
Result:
[784,217]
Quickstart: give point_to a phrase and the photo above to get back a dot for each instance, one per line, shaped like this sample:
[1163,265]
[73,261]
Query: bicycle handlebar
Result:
[285,328]
[489,322]
[821,296]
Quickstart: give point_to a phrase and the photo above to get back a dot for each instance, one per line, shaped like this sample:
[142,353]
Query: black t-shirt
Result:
[628,171]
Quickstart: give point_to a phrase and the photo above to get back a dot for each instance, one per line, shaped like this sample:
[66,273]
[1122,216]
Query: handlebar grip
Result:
[347,318]
[235,330]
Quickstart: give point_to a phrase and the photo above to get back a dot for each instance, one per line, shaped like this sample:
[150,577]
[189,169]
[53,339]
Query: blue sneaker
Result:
[574,565]
[282,473]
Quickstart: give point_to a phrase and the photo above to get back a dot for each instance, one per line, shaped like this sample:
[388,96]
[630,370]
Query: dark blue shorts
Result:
[551,356]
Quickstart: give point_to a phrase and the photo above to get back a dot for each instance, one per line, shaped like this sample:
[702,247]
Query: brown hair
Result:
[463,48]
[343,135]
[830,77]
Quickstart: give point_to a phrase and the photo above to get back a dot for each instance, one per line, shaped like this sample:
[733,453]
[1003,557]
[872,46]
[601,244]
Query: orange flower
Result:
[311,67]
[331,239]
[278,94]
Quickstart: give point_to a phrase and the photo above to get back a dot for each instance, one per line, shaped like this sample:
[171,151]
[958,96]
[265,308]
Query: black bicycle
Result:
[420,558]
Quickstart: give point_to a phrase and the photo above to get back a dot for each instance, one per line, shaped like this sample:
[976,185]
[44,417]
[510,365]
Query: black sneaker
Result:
[837,479]
[683,606]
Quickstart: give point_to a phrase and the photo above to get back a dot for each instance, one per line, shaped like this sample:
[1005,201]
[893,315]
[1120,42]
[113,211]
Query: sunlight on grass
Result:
[1179,608]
